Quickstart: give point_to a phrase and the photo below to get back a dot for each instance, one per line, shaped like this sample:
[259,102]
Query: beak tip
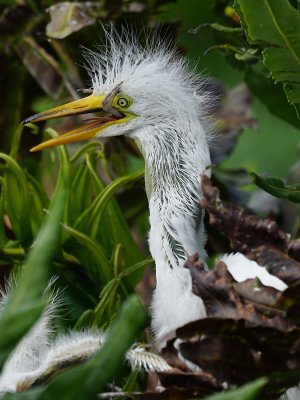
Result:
[34,149]
[27,120]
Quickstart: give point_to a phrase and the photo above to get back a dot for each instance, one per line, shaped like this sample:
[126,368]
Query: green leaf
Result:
[118,259]
[94,258]
[3,237]
[277,188]
[104,222]
[271,95]
[16,201]
[39,202]
[80,193]
[108,293]
[25,304]
[275,23]
[105,196]
[250,391]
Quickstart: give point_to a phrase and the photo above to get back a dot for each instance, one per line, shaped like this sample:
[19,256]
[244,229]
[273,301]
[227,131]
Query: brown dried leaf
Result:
[248,332]
[254,291]
[294,249]
[168,394]
[277,263]
[259,239]
[218,292]
[229,359]
[68,17]
[244,230]
[170,354]
[200,383]
[235,352]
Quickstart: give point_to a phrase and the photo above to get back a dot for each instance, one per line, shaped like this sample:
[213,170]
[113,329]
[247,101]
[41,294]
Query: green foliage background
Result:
[81,213]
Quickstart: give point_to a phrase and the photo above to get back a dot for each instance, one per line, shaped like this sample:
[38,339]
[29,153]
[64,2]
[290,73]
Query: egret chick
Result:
[150,95]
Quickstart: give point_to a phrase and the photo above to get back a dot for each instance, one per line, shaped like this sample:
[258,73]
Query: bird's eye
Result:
[122,102]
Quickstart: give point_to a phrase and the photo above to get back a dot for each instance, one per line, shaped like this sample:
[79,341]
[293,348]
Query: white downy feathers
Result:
[41,354]
[291,394]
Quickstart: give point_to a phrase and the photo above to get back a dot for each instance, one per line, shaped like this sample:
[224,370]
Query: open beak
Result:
[90,129]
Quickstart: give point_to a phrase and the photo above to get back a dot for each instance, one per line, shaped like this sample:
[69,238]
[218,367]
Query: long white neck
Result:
[176,155]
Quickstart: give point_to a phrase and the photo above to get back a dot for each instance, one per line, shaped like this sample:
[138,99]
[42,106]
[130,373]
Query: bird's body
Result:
[151,95]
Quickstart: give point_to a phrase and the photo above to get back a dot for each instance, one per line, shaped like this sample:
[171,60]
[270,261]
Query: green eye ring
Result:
[123,102]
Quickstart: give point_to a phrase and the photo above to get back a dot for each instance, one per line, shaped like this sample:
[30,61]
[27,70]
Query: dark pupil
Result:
[122,102]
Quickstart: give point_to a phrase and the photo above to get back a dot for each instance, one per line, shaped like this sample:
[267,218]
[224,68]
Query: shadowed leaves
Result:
[259,239]
[244,230]
[250,330]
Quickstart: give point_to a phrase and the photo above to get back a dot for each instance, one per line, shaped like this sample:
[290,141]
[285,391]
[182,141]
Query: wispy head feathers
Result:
[157,63]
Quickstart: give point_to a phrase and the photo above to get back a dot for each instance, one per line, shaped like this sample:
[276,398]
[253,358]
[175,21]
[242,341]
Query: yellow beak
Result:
[91,129]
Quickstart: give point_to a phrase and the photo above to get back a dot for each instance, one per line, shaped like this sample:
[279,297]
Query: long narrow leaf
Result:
[25,304]
[16,200]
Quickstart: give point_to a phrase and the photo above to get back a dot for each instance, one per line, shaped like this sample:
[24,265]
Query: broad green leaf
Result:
[277,188]
[275,23]
[25,304]
[270,21]
[250,391]
[271,95]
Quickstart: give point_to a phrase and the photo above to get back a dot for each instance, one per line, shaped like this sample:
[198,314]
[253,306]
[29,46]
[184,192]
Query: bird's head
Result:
[134,89]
